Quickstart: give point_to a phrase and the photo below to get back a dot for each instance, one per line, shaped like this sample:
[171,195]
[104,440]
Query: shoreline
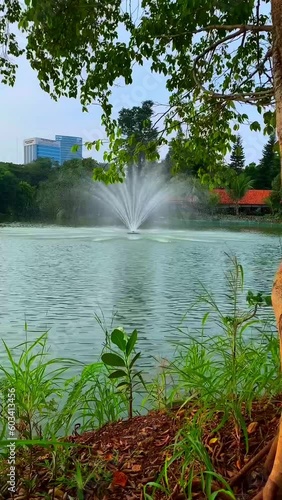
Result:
[157,223]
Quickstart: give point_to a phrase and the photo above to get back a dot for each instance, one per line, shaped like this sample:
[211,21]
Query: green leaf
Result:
[118,374]
[98,144]
[267,300]
[123,384]
[204,320]
[135,359]
[131,342]
[118,338]
[255,126]
[112,359]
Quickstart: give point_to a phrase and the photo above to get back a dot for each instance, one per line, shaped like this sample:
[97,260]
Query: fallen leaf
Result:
[120,479]
[238,464]
[43,457]
[108,457]
[163,441]
[136,468]
[230,473]
[252,427]
[56,492]
[213,440]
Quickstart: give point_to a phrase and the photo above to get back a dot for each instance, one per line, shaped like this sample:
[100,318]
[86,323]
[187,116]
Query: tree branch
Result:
[224,27]
[245,97]
[242,27]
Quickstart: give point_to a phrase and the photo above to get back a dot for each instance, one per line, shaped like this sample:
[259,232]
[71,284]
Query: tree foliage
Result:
[269,165]
[138,131]
[182,157]
[238,187]
[237,158]
[213,54]
[37,191]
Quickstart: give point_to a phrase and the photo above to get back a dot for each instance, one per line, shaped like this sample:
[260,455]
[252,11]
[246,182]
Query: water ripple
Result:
[59,278]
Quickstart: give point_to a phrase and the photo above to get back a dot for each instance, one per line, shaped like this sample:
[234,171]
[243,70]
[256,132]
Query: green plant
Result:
[217,377]
[237,187]
[38,384]
[92,400]
[125,360]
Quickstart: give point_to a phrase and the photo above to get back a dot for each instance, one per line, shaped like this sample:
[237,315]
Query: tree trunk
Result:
[276,12]
[273,487]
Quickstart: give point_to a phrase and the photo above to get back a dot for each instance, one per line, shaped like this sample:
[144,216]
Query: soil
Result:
[128,454]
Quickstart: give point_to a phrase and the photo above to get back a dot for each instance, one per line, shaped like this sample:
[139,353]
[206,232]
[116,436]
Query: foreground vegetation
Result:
[201,421]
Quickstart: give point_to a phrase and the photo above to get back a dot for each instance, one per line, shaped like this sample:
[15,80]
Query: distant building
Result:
[41,148]
[66,144]
[253,199]
[58,150]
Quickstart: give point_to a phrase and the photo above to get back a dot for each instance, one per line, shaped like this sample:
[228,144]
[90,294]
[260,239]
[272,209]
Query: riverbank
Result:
[152,456]
[164,221]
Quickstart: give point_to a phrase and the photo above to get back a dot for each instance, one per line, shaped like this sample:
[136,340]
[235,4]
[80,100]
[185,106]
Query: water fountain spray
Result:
[134,199]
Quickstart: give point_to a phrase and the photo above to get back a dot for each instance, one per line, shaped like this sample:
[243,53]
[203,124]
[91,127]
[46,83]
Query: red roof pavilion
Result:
[253,197]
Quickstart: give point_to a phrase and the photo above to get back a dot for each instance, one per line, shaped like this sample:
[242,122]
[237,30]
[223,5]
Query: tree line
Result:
[42,191]
[46,192]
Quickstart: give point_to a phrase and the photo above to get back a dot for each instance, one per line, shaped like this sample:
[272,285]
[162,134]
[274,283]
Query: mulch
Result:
[128,454]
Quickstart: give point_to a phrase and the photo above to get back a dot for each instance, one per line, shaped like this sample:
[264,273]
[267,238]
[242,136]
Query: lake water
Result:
[58,278]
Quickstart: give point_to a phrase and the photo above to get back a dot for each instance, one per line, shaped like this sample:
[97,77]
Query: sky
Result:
[27,111]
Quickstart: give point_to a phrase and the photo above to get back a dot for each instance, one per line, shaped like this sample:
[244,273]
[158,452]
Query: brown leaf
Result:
[252,427]
[120,479]
[238,464]
[230,473]
[136,468]
[56,492]
[163,441]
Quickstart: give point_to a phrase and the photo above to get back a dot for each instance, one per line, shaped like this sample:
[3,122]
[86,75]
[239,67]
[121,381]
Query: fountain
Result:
[134,199]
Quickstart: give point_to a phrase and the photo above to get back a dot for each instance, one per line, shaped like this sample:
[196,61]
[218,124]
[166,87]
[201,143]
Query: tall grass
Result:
[49,400]
[217,378]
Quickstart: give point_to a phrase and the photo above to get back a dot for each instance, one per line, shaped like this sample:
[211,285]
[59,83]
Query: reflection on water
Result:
[58,278]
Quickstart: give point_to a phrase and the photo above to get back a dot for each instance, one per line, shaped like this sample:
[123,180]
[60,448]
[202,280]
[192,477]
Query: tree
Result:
[86,41]
[238,187]
[25,205]
[269,165]
[138,131]
[274,200]
[237,158]
[33,173]
[214,53]
[68,192]
[183,158]
[251,171]
[8,191]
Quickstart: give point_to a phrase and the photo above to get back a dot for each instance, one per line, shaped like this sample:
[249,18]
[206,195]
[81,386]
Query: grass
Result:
[214,379]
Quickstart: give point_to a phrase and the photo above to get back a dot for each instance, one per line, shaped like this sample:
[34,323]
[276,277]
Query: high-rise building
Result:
[58,150]
[66,144]
[41,148]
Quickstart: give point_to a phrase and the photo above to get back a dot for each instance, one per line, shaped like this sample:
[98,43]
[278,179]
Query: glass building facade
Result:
[58,150]
[66,144]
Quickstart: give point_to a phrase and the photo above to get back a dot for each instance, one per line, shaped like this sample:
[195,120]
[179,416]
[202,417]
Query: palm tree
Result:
[238,187]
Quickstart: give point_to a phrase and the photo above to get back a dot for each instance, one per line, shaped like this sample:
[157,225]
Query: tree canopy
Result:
[212,53]
[138,131]
[237,158]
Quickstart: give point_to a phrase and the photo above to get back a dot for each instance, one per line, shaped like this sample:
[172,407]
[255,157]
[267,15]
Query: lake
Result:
[58,278]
